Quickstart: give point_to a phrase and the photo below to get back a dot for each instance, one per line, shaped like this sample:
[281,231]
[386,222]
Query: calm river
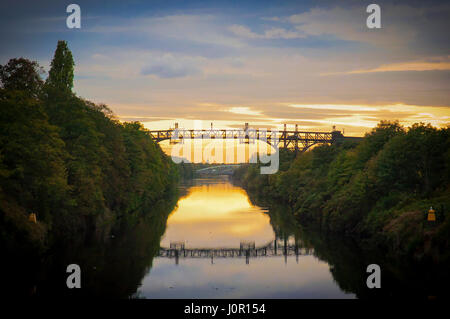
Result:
[215,215]
[214,242]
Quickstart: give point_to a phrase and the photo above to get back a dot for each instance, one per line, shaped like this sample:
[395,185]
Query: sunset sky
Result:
[314,63]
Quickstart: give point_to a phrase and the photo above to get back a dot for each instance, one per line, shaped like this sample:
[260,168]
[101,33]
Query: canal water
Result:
[213,216]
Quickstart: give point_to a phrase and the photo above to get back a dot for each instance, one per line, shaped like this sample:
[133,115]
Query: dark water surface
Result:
[217,215]
[214,218]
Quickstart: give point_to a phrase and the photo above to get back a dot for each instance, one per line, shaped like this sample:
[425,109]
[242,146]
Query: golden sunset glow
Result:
[353,119]
[217,215]
[408,66]
[219,151]
[243,110]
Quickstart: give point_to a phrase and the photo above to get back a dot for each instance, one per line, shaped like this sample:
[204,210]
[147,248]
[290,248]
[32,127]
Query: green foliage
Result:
[21,75]
[32,154]
[70,161]
[60,75]
[375,140]
[359,189]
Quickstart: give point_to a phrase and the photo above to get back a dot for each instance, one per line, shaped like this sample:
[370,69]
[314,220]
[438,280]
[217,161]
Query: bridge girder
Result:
[298,140]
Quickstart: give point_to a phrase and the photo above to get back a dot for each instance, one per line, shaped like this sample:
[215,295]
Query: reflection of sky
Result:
[268,277]
[217,215]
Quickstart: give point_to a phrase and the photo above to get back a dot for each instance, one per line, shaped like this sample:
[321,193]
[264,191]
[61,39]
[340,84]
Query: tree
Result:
[22,75]
[61,72]
[69,160]
[32,156]
[375,140]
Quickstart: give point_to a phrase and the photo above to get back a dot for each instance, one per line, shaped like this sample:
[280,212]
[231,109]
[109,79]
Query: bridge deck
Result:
[301,140]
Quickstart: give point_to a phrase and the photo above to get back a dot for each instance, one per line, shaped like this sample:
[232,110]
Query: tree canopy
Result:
[365,190]
[69,161]
[61,71]
[22,75]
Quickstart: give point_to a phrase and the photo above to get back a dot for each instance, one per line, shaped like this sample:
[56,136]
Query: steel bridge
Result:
[297,140]
[246,250]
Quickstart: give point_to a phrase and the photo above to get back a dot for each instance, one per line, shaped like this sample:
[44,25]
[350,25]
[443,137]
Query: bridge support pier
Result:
[176,257]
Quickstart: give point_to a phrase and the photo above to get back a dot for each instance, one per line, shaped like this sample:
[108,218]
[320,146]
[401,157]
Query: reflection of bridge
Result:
[247,249]
[224,169]
[298,140]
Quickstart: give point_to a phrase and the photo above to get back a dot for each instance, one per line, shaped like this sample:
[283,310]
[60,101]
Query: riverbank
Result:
[112,266]
[69,170]
[377,192]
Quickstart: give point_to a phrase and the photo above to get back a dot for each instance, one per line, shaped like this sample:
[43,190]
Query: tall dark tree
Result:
[22,75]
[61,71]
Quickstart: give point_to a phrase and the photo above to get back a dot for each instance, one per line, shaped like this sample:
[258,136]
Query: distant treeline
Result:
[377,191]
[68,160]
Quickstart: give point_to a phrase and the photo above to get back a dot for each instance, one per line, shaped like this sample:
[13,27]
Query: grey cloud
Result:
[172,66]
[271,33]
[169,71]
[348,23]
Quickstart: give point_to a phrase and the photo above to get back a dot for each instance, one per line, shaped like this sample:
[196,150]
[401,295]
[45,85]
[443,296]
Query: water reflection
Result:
[216,217]
[111,266]
[217,214]
[232,278]
[214,214]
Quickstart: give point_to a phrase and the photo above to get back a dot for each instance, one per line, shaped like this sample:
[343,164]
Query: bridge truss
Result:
[298,140]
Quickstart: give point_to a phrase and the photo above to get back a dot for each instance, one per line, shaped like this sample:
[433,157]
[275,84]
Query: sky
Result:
[311,63]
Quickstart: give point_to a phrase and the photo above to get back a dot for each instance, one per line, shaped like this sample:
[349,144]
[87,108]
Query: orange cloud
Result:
[432,64]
